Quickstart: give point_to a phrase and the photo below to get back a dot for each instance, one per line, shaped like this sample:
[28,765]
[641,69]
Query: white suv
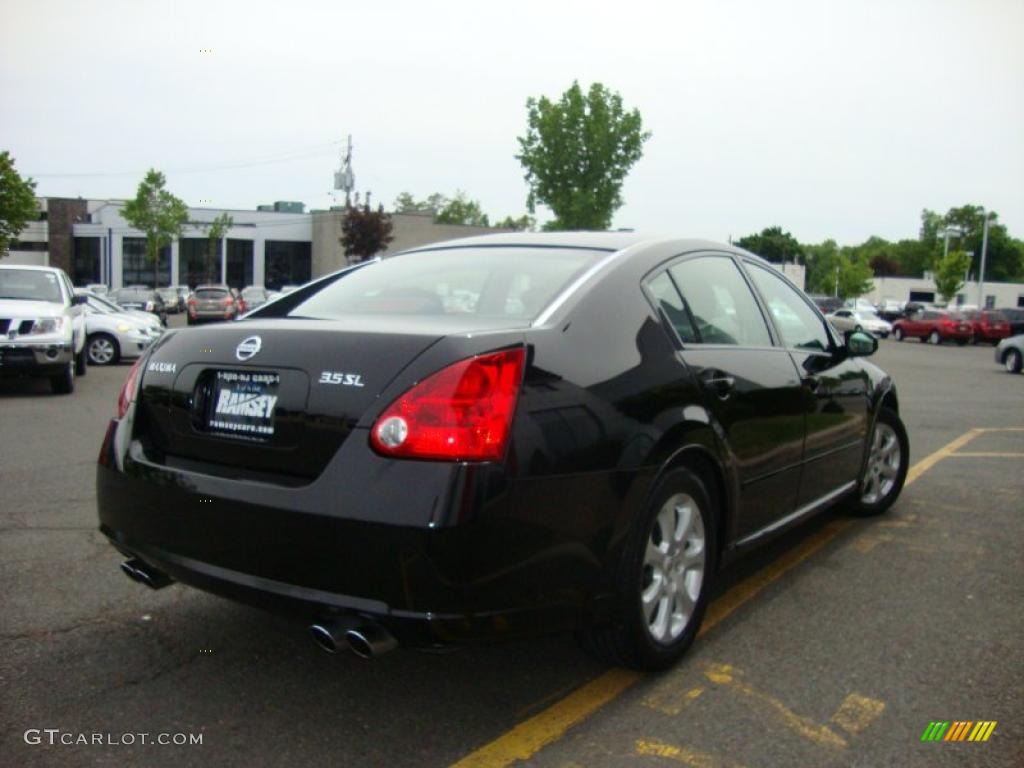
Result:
[42,326]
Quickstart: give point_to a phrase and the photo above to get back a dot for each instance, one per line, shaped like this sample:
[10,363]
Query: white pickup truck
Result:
[42,326]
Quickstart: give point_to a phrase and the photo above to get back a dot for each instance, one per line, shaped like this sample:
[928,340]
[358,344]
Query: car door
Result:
[749,385]
[836,387]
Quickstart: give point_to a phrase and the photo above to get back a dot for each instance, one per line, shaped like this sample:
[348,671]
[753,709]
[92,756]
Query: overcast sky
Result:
[831,119]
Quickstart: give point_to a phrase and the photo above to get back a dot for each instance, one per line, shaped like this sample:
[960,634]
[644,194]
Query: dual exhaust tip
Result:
[366,639]
[136,570]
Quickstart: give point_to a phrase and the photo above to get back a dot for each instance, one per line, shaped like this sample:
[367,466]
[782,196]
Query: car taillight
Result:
[228,301]
[192,302]
[130,389]
[461,413]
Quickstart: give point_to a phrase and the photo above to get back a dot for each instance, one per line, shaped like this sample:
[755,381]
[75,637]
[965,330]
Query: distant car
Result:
[861,305]
[98,289]
[933,326]
[212,303]
[1015,317]
[141,298]
[1010,352]
[112,334]
[988,325]
[827,303]
[103,303]
[42,327]
[859,320]
[253,296]
[172,300]
[890,309]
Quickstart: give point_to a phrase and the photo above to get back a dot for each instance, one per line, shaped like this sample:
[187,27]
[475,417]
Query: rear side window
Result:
[723,307]
[668,300]
[488,282]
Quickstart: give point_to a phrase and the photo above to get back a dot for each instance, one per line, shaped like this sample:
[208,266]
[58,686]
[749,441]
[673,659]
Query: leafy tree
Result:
[884,265]
[949,273]
[214,234]
[1003,262]
[854,275]
[822,263]
[577,152]
[17,201]
[774,245]
[406,203]
[365,232]
[460,210]
[524,223]
[914,256]
[157,213]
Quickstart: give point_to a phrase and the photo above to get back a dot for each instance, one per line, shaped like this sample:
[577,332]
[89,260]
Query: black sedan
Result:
[142,299]
[495,437]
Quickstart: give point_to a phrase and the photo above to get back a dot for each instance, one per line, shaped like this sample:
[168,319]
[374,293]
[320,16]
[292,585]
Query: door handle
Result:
[720,382]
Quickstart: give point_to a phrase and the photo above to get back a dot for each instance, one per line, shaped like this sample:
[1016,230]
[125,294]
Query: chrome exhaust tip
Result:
[139,571]
[329,634]
[370,640]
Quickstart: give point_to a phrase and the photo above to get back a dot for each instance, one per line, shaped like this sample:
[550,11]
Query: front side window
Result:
[668,300]
[720,301]
[800,326]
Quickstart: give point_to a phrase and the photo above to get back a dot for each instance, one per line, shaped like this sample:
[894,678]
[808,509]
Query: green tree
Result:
[406,203]
[17,201]
[822,268]
[460,210]
[774,245]
[914,256]
[157,213]
[525,223]
[365,232]
[577,152]
[949,274]
[854,275]
[215,232]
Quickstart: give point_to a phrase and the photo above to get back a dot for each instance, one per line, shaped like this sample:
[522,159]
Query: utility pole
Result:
[981,276]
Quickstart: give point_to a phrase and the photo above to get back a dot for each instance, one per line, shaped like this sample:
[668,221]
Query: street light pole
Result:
[981,276]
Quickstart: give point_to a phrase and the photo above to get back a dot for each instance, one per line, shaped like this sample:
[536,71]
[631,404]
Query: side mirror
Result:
[860,344]
[78,300]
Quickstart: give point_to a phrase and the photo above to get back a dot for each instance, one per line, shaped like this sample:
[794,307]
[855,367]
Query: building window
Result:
[287,263]
[195,265]
[990,302]
[38,246]
[136,269]
[924,297]
[239,263]
[85,262]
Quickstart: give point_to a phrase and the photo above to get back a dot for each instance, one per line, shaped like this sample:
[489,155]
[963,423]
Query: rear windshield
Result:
[995,317]
[250,293]
[515,283]
[31,284]
[133,295]
[211,293]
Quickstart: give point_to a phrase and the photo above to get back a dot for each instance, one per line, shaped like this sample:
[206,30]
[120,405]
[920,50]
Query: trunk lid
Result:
[266,399]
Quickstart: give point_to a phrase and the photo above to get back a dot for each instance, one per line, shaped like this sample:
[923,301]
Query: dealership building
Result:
[275,245]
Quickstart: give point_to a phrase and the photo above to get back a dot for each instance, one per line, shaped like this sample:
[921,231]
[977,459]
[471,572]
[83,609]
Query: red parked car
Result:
[988,325]
[933,326]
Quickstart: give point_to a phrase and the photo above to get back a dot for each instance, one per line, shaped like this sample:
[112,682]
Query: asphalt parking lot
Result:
[837,645]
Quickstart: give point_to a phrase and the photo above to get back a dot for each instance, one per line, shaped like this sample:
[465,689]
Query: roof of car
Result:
[34,267]
[606,241]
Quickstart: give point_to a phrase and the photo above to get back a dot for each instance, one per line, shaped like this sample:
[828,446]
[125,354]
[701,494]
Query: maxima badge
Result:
[248,347]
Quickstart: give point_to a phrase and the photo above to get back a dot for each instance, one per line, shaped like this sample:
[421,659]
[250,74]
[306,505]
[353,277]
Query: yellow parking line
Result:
[530,736]
[987,455]
[684,755]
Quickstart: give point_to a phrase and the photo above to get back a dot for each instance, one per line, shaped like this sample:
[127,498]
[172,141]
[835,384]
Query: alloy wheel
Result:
[883,465]
[673,570]
[101,351]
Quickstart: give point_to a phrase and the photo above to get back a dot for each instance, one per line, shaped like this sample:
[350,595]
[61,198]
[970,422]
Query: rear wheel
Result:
[103,349]
[64,383]
[886,469]
[1012,361]
[934,338]
[664,577]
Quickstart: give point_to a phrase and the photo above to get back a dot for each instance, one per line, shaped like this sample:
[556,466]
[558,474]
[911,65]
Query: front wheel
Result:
[80,363]
[1013,361]
[64,382]
[886,470]
[103,349]
[934,338]
[898,334]
[664,577]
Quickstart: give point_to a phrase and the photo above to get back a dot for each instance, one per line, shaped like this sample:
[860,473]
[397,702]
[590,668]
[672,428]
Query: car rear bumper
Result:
[475,572]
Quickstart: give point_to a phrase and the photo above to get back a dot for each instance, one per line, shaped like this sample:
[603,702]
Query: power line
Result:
[320,149]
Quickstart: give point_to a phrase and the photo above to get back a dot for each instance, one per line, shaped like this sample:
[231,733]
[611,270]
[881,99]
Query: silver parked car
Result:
[112,334]
[1010,352]
[859,320]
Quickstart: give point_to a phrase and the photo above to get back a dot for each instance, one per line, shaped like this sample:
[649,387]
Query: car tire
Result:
[1013,362]
[103,349]
[81,364]
[898,334]
[656,618]
[189,321]
[64,383]
[974,339]
[934,338]
[885,471]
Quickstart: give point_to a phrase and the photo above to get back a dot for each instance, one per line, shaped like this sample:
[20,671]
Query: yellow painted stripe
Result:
[947,450]
[988,731]
[977,731]
[987,455]
[684,755]
[530,736]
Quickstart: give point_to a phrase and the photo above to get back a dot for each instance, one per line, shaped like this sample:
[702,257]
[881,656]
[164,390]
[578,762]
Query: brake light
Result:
[192,301]
[228,301]
[461,413]
[130,389]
